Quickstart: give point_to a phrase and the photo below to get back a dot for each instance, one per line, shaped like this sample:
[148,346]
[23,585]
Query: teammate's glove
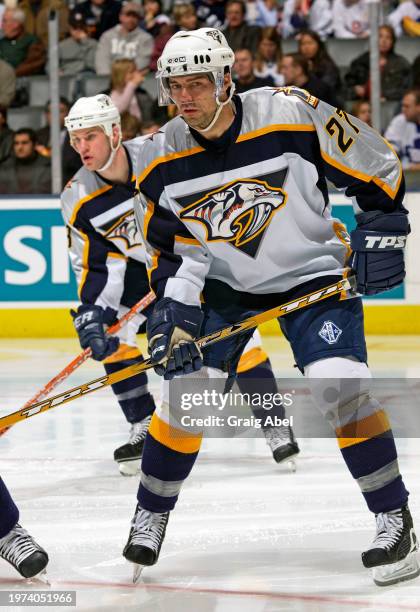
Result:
[171,330]
[378,251]
[89,321]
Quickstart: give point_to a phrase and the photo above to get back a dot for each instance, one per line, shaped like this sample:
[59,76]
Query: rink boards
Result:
[37,286]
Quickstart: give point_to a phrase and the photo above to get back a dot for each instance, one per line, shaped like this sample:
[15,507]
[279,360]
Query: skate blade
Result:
[407,569]
[129,468]
[137,570]
[41,577]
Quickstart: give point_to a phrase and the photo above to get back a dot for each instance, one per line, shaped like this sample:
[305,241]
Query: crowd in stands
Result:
[111,46]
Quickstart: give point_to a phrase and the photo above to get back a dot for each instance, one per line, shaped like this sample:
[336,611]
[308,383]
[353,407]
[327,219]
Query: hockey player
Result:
[240,184]
[16,545]
[108,259]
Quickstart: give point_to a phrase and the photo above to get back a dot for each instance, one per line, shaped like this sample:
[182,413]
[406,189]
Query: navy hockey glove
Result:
[171,329]
[89,321]
[378,251]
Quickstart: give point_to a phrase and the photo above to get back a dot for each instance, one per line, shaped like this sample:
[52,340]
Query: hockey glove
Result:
[90,326]
[171,330]
[378,251]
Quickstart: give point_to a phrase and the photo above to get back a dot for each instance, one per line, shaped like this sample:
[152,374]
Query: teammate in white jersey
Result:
[233,206]
[108,257]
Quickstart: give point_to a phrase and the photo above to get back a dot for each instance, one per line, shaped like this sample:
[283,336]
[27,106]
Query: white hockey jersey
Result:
[405,137]
[106,249]
[251,210]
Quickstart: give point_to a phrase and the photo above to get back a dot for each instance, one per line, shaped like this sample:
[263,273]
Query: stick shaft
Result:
[345,287]
[84,355]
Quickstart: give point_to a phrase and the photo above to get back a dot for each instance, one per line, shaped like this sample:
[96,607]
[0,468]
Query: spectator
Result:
[43,135]
[8,84]
[395,70]
[150,127]
[165,31]
[361,110]
[6,136]
[25,52]
[406,18]
[404,131]
[295,69]
[210,12]
[103,14]
[245,77]
[268,56]
[130,126]
[320,62]
[36,17]
[267,13]
[26,171]
[239,34]
[152,11]
[416,73]
[350,18]
[76,54]
[301,15]
[126,92]
[125,41]
[70,160]
[185,17]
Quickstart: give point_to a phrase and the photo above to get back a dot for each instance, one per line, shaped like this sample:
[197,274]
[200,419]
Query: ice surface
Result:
[246,535]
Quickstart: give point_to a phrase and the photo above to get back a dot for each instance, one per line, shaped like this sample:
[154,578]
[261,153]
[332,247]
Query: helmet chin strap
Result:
[220,105]
[113,151]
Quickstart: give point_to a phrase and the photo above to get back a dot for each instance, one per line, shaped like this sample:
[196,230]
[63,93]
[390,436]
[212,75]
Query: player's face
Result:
[195,99]
[93,146]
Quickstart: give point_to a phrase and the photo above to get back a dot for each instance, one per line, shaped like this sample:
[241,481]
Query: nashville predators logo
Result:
[238,212]
[125,229]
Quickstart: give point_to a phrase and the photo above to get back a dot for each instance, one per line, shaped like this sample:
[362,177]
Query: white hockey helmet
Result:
[194,52]
[95,111]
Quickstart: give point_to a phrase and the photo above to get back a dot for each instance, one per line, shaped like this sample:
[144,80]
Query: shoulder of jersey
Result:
[82,181]
[273,105]
[170,138]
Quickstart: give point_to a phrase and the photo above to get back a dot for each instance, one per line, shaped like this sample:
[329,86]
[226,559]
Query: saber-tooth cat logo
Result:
[125,229]
[238,212]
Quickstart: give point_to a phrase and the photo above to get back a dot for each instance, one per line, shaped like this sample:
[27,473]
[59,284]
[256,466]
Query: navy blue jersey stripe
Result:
[253,151]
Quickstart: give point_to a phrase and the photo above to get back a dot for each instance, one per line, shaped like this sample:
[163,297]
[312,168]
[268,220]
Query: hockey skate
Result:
[145,539]
[21,551]
[392,555]
[128,456]
[283,445]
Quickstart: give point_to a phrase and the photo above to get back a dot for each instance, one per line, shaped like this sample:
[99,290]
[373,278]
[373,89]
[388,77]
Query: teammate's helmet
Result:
[197,51]
[92,112]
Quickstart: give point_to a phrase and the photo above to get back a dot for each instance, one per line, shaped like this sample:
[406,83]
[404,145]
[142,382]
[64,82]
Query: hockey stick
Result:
[346,286]
[84,355]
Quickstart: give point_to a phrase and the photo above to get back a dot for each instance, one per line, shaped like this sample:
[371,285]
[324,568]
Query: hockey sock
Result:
[373,463]
[258,380]
[132,393]
[168,457]
[9,513]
